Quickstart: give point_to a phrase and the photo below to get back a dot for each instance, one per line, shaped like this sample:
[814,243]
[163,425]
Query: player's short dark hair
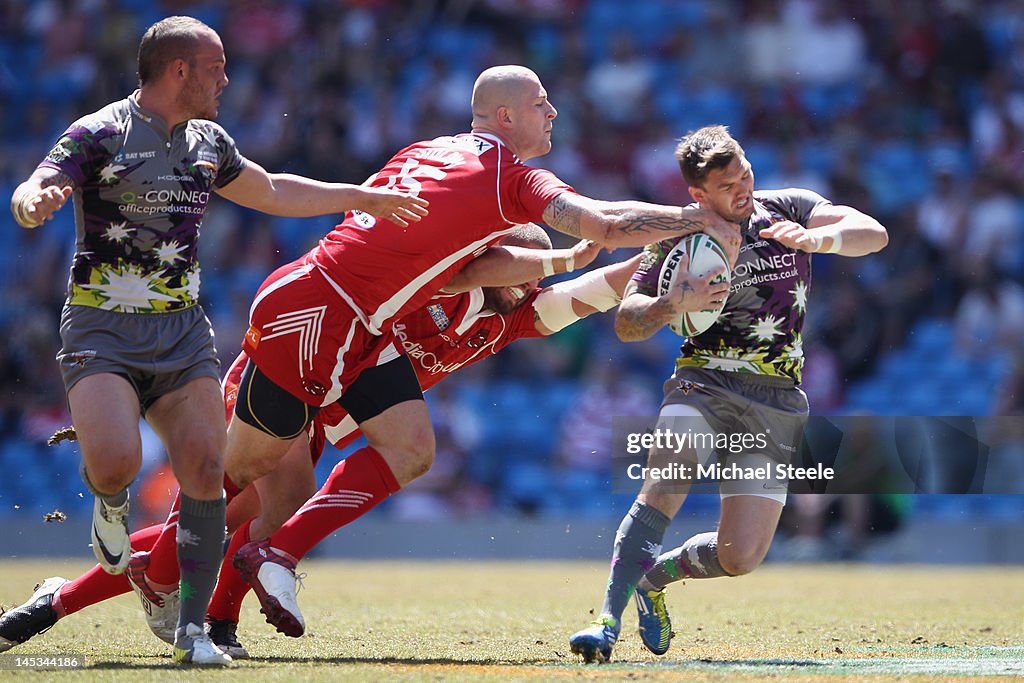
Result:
[166,40]
[704,150]
[528,235]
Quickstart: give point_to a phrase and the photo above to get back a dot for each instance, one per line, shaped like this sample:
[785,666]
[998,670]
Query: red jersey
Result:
[478,191]
[451,332]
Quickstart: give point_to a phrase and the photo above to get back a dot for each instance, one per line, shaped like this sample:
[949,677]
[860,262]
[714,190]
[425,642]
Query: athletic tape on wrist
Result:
[570,262]
[837,243]
[549,266]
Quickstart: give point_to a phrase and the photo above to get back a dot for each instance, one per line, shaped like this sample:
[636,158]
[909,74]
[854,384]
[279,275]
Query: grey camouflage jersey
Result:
[139,201]
[760,328]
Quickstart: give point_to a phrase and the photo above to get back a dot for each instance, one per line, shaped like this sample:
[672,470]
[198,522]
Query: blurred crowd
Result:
[912,112]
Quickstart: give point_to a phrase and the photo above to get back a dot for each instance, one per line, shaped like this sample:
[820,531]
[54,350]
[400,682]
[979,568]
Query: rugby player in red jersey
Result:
[481,322]
[321,328]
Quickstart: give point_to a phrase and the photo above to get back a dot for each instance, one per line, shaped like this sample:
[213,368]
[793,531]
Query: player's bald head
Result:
[510,102]
[502,86]
[529,236]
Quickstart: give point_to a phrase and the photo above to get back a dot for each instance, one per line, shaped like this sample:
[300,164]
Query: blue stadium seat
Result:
[763,156]
[932,336]
[525,485]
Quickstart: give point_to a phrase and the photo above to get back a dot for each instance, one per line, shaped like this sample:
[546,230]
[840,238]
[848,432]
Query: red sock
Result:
[96,585]
[355,486]
[226,602]
[163,556]
[230,489]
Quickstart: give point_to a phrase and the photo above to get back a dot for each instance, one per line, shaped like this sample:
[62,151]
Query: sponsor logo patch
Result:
[253,336]
[439,316]
[477,340]
[314,387]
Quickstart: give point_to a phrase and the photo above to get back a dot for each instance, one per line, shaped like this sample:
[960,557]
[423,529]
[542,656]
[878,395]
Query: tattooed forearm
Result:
[659,227]
[636,324]
[628,223]
[640,315]
[563,215]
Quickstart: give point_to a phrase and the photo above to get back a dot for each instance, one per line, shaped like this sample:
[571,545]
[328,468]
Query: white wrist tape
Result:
[570,262]
[819,239]
[837,242]
[554,304]
[549,265]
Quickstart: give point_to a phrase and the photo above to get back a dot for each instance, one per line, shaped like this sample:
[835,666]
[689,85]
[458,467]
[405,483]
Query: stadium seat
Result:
[931,336]
[764,157]
[525,486]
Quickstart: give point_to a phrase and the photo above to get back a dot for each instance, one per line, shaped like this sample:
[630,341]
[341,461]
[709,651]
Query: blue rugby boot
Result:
[594,643]
[655,624]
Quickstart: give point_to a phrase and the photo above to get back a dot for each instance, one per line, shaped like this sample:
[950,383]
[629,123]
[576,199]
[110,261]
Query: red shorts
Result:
[307,340]
[231,381]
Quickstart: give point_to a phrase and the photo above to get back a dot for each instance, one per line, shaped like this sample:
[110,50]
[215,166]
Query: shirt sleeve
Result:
[230,161]
[795,204]
[527,191]
[81,152]
[649,270]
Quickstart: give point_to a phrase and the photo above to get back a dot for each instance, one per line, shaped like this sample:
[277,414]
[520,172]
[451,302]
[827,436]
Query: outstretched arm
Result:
[832,229]
[37,199]
[502,266]
[634,224]
[285,194]
[563,303]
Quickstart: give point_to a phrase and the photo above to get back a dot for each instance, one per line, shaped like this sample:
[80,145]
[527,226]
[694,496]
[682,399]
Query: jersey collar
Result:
[154,121]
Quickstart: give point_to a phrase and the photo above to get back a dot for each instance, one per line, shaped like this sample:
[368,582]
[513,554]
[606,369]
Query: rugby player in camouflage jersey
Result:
[739,377]
[135,340]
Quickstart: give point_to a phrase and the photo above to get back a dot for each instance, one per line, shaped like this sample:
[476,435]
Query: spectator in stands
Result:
[586,430]
[990,317]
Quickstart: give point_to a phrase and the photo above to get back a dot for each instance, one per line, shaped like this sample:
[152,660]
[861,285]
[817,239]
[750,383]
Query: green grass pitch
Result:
[411,620]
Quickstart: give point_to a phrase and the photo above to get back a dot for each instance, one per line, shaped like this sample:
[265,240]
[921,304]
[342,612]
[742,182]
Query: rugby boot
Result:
[110,542]
[195,647]
[655,624]
[161,608]
[224,634]
[34,617]
[594,643]
[272,577]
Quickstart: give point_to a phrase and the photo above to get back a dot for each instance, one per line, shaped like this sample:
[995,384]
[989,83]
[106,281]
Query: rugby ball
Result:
[705,255]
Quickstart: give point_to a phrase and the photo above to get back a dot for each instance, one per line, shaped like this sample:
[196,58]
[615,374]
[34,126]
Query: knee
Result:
[420,462]
[113,478]
[409,456]
[243,470]
[418,454]
[737,561]
[112,472]
[200,471]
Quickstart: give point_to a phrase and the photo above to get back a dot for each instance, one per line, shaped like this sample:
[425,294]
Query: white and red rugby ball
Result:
[705,255]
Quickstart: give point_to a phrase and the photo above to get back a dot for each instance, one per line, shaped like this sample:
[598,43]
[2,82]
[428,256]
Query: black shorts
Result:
[269,408]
